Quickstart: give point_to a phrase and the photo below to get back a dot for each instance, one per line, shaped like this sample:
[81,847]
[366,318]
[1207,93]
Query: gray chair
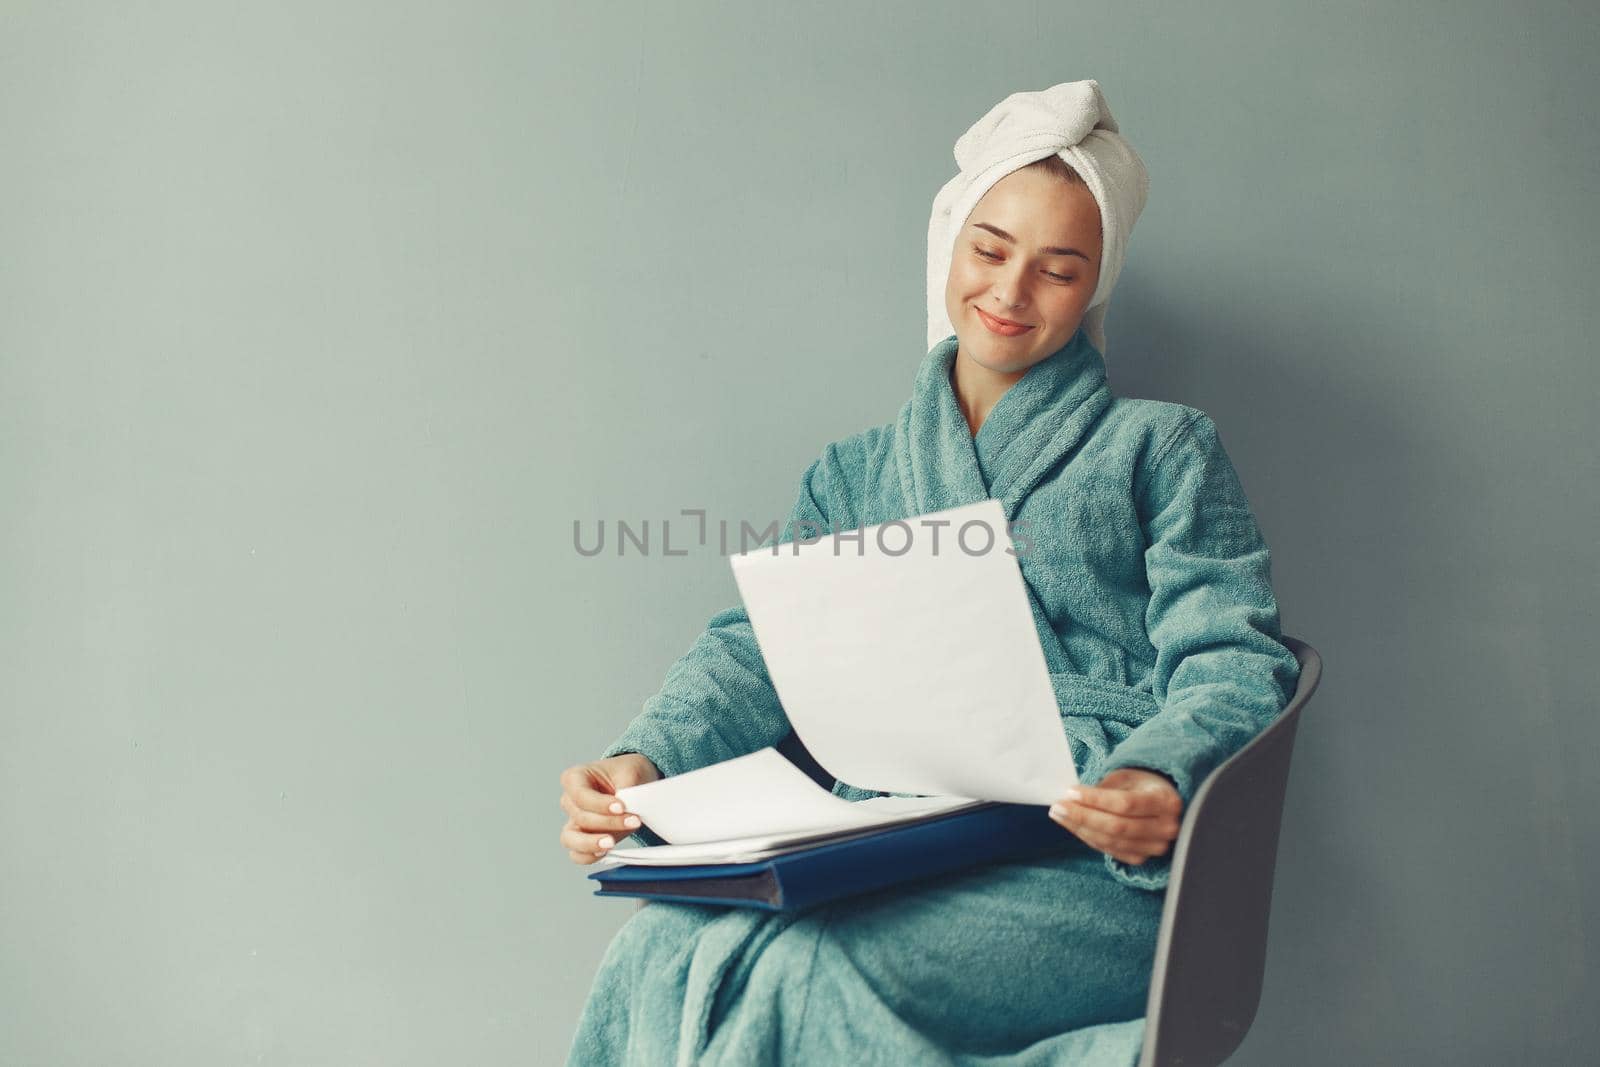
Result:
[1211,951]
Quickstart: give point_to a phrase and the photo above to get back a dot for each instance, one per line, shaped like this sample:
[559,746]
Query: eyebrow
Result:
[1048,250]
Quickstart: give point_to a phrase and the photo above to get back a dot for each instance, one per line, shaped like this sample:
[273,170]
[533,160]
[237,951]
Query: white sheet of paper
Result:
[765,846]
[914,671]
[761,795]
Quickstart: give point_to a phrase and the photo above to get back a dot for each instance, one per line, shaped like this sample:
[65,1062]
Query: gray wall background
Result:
[321,323]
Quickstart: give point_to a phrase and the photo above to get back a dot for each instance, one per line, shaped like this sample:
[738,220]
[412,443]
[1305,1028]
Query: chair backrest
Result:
[1212,948]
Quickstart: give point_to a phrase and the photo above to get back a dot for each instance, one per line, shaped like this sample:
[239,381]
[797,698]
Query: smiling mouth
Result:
[1007,324]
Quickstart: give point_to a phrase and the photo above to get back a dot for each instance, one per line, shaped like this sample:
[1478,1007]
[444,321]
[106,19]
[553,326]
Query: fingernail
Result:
[631,821]
[1057,811]
[616,807]
[1073,794]
[606,842]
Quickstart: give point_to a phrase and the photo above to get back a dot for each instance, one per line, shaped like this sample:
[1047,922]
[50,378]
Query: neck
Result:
[977,388]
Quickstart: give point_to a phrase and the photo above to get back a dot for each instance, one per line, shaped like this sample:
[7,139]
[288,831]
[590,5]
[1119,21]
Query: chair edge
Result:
[1310,661]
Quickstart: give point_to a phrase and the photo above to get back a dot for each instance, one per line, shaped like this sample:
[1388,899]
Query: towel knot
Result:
[1037,123]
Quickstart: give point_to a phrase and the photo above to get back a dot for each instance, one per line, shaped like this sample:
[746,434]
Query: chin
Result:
[1004,362]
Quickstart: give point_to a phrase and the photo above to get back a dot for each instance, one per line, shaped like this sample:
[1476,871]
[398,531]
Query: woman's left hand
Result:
[1131,814]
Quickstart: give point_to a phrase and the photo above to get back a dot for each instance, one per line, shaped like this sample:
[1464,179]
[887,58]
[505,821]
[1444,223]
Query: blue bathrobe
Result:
[1151,591]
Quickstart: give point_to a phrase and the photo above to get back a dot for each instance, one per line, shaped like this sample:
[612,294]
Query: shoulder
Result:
[844,467]
[1153,429]
[861,446]
[848,460]
[1177,448]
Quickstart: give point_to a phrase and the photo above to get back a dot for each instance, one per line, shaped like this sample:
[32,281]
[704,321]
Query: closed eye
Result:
[993,258]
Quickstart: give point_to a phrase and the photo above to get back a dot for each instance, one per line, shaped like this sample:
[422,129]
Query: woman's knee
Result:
[655,932]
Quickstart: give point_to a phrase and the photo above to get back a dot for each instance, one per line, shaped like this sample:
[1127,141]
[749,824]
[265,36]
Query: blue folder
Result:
[859,863]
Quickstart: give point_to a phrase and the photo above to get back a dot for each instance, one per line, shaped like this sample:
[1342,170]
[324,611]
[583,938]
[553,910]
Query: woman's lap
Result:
[1005,955]
[983,961]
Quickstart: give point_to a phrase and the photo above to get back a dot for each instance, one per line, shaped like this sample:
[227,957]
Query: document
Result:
[754,807]
[762,794]
[734,850]
[906,659]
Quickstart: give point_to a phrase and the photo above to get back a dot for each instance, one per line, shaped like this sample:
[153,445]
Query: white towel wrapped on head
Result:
[1071,120]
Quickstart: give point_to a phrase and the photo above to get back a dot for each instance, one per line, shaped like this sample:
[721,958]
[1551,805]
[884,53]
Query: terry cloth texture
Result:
[1151,592]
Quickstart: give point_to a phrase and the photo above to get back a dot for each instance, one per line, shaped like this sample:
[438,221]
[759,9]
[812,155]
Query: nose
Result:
[1008,291]
[1008,296]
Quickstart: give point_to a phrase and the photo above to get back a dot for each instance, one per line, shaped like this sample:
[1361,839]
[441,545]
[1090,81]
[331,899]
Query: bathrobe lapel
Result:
[1037,423]
[934,451]
[1030,430]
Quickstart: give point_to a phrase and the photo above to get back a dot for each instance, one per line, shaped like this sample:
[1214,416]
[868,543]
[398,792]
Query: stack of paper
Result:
[753,807]
[907,661]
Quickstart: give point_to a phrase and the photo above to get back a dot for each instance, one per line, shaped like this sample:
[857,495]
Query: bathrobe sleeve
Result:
[717,701]
[1221,674]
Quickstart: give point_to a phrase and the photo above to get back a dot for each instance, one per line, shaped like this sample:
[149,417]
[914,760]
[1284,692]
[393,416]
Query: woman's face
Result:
[1029,254]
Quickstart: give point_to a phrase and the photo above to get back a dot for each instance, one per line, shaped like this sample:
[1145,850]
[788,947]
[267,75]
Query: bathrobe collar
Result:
[1035,424]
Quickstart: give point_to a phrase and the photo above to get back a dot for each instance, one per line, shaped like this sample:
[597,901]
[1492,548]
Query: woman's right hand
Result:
[595,817]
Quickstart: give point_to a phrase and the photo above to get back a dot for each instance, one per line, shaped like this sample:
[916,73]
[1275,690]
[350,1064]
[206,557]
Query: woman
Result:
[1151,590]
